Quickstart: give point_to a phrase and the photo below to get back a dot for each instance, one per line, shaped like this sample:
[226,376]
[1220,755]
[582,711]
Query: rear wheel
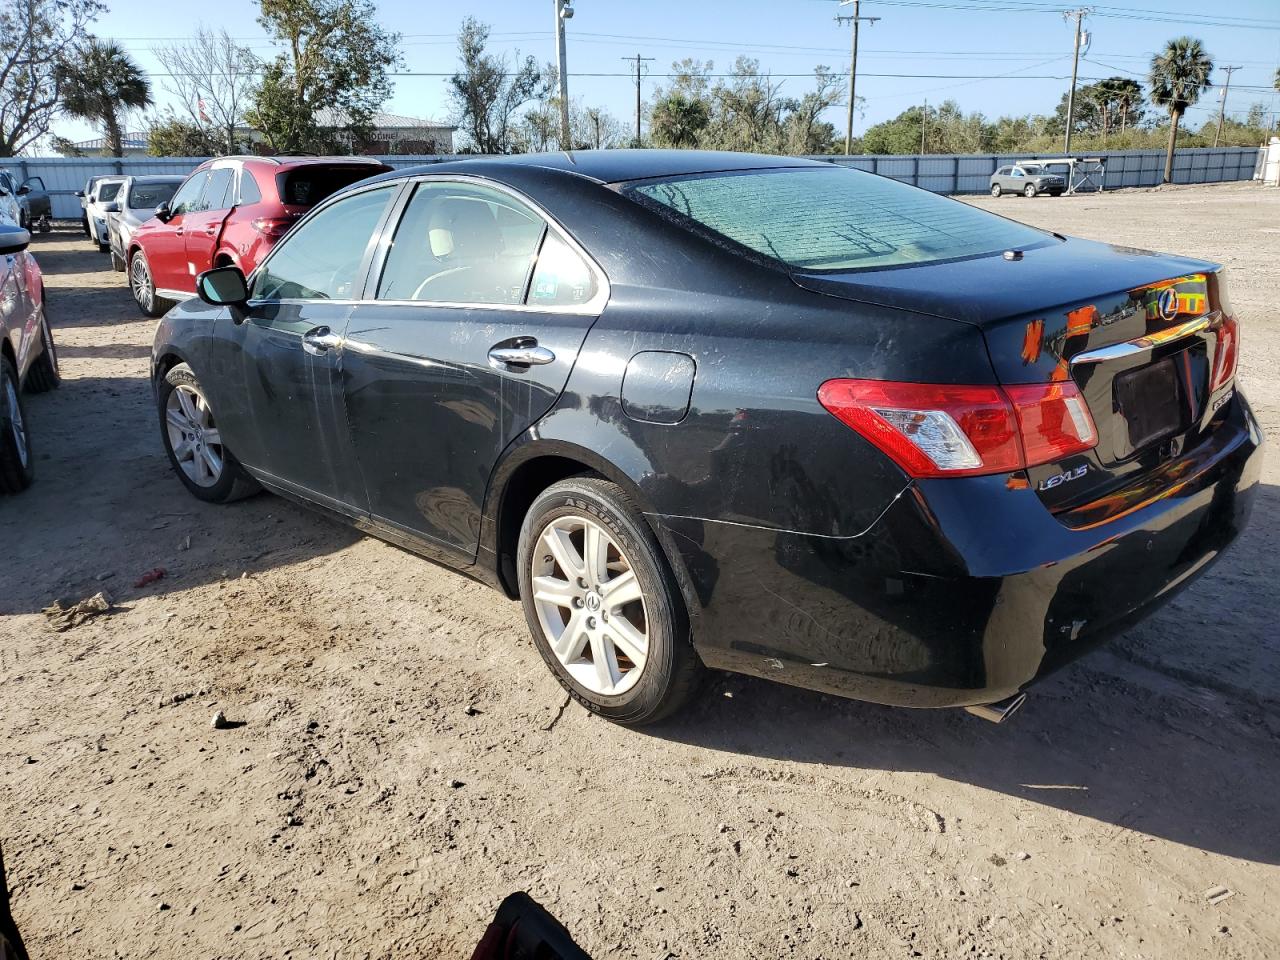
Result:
[1029,190]
[45,374]
[17,467]
[602,605]
[143,288]
[194,445]
[995,190]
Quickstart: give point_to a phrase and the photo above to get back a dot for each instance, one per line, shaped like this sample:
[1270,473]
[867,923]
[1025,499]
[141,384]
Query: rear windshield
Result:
[306,186]
[833,218]
[108,191]
[148,196]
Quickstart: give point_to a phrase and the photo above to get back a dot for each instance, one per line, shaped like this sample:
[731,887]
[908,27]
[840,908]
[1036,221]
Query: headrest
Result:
[462,227]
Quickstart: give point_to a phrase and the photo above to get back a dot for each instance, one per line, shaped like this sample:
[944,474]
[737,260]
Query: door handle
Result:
[319,340]
[520,352]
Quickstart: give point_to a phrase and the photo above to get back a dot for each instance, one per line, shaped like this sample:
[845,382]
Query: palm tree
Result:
[100,83]
[678,121]
[1179,74]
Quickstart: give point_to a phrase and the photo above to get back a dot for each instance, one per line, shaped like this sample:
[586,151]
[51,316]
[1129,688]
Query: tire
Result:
[996,190]
[45,374]
[143,288]
[17,464]
[117,263]
[214,474]
[84,224]
[1029,191]
[643,692]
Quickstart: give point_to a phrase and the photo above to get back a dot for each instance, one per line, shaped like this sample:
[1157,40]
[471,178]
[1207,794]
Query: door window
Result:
[217,190]
[1017,172]
[184,200]
[461,243]
[321,260]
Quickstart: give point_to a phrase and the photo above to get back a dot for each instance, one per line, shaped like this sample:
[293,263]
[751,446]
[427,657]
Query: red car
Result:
[230,210]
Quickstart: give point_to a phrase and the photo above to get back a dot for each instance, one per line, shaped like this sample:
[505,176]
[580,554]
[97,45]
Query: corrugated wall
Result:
[941,173]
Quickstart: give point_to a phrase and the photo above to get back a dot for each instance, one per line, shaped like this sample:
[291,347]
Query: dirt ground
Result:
[405,760]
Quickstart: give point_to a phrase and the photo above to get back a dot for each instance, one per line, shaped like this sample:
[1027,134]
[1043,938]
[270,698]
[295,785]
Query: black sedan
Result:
[750,413]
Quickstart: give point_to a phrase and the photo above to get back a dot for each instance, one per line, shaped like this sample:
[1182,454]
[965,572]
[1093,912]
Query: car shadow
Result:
[1171,730]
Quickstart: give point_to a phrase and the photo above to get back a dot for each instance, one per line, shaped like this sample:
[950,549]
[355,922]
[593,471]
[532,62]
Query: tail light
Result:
[1227,355]
[273,227]
[938,430]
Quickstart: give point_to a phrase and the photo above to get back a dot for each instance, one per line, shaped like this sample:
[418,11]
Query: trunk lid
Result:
[1141,335]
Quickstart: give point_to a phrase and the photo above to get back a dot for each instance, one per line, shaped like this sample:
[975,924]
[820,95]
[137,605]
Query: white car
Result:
[101,197]
[10,209]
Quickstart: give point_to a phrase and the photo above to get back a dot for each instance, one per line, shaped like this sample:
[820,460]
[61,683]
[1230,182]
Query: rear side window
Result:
[148,196]
[461,243]
[249,192]
[307,185]
[321,259]
[816,219]
[217,191]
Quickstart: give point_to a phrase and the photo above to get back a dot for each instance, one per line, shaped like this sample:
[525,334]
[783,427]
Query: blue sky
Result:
[943,44]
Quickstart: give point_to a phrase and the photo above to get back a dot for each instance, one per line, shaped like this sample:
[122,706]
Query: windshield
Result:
[148,196]
[833,218]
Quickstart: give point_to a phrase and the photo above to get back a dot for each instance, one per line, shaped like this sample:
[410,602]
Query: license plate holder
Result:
[1150,400]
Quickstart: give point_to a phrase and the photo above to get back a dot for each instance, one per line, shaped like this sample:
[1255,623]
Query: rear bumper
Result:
[964,591]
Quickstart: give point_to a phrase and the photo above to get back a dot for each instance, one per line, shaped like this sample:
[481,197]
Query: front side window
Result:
[461,243]
[217,189]
[184,200]
[148,196]
[321,259]
[832,218]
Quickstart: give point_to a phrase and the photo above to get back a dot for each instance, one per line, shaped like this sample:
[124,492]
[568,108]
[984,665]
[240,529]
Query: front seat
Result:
[464,240]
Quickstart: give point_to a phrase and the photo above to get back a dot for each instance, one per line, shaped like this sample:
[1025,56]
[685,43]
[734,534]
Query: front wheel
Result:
[1029,190]
[602,604]
[194,444]
[995,190]
[17,466]
[143,287]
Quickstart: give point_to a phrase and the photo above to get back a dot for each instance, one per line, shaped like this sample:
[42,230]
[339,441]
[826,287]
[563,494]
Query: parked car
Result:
[84,196]
[28,359]
[229,211]
[28,201]
[760,414]
[1027,179]
[136,203]
[98,202]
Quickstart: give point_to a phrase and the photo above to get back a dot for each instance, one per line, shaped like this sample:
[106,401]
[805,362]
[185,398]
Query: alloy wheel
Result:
[590,605]
[193,435]
[16,425]
[140,281]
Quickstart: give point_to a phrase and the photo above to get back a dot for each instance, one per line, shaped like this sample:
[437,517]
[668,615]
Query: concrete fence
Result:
[941,173]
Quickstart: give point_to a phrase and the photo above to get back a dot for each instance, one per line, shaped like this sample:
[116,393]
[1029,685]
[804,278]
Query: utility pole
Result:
[1222,107]
[637,59]
[855,19]
[564,11]
[1078,15]
[924,120]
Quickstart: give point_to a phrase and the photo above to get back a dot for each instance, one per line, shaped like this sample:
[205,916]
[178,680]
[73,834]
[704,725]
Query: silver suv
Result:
[1027,179]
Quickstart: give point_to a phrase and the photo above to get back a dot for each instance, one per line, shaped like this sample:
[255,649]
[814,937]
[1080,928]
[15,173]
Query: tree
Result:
[215,80]
[1179,74]
[330,79]
[1101,108]
[677,120]
[37,36]
[487,92]
[173,136]
[101,83]
[804,130]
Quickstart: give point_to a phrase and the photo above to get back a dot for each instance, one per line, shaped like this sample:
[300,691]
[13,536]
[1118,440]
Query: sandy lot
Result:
[764,822]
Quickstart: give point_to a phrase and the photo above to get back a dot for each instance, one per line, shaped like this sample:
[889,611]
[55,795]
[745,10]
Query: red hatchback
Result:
[229,211]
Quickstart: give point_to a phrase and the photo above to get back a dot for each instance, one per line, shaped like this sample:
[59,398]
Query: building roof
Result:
[382,121]
[130,141]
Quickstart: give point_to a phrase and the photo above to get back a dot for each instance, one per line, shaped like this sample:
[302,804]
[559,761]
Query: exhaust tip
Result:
[1000,711]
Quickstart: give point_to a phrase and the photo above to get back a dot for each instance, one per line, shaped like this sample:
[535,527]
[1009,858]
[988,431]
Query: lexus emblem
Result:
[1167,305]
[593,601]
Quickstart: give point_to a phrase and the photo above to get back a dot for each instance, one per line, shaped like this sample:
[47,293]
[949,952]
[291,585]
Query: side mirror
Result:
[162,212]
[80,194]
[23,190]
[112,207]
[223,287]
[13,240]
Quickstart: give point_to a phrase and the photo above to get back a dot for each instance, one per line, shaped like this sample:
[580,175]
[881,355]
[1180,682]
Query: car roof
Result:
[617,166]
[158,178]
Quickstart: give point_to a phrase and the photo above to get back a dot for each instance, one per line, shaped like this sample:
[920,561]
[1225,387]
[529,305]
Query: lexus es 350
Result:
[718,410]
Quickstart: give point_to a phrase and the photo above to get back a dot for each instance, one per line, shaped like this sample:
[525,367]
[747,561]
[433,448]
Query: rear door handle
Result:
[519,352]
[320,340]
